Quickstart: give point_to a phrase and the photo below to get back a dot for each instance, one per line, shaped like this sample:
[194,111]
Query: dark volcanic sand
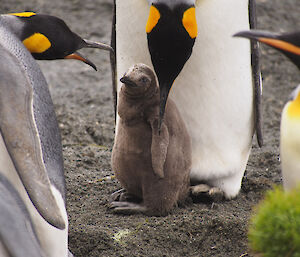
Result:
[83,102]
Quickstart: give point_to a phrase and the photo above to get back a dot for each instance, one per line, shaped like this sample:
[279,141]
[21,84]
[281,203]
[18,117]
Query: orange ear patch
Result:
[153,19]
[37,43]
[189,22]
[23,14]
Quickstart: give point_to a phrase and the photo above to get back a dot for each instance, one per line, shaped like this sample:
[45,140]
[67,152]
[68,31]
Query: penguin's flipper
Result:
[113,60]
[17,235]
[159,147]
[256,74]
[22,138]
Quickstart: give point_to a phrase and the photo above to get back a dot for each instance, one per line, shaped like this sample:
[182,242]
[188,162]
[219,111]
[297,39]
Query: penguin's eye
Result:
[144,80]
[153,19]
[189,22]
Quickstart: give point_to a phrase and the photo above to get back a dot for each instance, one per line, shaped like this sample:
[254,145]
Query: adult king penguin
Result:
[289,45]
[30,143]
[217,91]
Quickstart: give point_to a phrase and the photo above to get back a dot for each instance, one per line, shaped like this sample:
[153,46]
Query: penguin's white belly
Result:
[53,241]
[213,92]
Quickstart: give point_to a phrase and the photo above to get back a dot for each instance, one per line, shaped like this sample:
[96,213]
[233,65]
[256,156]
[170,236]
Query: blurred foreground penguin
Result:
[152,166]
[30,143]
[214,86]
[17,234]
[289,45]
[290,142]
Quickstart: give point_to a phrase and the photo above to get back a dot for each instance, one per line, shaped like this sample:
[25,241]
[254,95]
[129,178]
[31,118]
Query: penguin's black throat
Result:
[170,46]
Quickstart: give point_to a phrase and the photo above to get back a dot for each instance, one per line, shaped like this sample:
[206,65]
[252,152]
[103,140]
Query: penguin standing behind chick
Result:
[152,165]
[289,45]
[210,76]
[30,144]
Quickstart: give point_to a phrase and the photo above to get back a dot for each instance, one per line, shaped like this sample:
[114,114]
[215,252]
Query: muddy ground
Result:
[83,102]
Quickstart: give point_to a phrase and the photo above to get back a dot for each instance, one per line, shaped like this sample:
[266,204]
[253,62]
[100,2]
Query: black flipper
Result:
[255,63]
[113,60]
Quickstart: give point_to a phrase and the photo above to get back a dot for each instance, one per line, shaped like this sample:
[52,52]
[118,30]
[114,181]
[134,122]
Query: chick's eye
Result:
[144,80]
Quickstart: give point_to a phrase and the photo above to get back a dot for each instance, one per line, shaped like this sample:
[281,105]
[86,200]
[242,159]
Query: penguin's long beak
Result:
[287,43]
[271,39]
[79,57]
[91,44]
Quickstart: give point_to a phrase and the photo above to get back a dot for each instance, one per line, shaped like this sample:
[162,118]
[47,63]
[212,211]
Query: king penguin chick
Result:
[151,165]
[30,143]
[208,74]
[289,45]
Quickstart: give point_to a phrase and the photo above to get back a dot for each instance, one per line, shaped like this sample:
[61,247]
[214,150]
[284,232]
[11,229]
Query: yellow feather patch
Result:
[294,108]
[23,14]
[153,19]
[37,43]
[189,22]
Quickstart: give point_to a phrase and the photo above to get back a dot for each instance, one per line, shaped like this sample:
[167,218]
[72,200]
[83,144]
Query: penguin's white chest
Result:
[213,92]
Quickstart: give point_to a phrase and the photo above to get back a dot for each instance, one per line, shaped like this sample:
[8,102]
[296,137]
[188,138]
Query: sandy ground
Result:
[83,102]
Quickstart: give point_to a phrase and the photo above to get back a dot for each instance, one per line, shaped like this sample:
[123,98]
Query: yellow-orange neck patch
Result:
[294,108]
[280,44]
[153,19]
[37,43]
[23,14]
[189,22]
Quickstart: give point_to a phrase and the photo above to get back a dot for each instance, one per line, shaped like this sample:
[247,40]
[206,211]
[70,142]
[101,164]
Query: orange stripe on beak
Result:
[280,44]
[79,57]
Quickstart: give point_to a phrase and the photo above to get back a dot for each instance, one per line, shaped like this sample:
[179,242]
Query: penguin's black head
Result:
[287,43]
[171,33]
[49,38]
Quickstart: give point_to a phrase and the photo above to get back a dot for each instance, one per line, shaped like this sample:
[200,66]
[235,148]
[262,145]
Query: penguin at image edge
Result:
[289,45]
[49,38]
[30,142]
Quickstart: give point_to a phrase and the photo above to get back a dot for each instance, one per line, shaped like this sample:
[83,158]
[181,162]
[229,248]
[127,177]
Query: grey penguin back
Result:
[43,108]
[29,128]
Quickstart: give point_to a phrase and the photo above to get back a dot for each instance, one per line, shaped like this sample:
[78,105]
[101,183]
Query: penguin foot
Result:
[123,196]
[204,192]
[127,208]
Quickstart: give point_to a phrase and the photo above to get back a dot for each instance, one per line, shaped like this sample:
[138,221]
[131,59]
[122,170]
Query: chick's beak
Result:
[127,81]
